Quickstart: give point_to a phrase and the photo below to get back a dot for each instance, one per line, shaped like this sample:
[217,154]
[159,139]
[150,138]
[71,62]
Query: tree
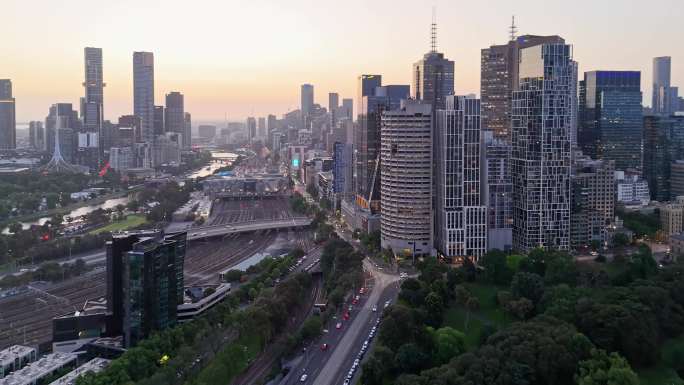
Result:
[410,358]
[560,268]
[620,240]
[520,308]
[496,269]
[449,343]
[605,369]
[528,285]
[435,307]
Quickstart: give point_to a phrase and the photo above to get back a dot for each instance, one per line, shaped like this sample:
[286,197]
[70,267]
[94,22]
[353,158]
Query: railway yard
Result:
[26,318]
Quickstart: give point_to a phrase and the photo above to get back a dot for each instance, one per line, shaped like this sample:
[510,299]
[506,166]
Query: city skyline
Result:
[241,67]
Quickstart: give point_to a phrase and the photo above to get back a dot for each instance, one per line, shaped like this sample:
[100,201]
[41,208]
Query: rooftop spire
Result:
[433,32]
[513,29]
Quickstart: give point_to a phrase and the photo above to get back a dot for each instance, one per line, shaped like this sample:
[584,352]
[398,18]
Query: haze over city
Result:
[248,58]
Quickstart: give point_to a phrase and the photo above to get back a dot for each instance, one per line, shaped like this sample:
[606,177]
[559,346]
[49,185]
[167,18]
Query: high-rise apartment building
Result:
[663,144]
[174,117]
[665,97]
[8,124]
[433,77]
[307,99]
[144,282]
[333,104]
[93,114]
[406,223]
[611,117]
[460,216]
[499,78]
[497,188]
[541,138]
[143,93]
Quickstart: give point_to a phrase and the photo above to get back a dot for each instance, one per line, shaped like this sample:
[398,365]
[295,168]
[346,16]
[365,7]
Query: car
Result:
[351,308]
[362,290]
[375,308]
[303,377]
[355,301]
[339,325]
[357,298]
[324,347]
[325,331]
[345,316]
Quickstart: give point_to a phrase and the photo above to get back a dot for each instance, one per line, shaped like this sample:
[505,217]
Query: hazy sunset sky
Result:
[249,57]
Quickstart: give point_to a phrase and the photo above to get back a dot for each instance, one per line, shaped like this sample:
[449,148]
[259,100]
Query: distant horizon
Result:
[241,58]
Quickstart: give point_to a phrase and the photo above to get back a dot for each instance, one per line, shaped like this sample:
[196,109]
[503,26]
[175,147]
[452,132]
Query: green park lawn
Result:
[456,316]
[130,222]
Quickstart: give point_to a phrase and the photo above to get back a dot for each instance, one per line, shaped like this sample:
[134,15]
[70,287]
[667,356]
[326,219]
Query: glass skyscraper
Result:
[8,126]
[542,120]
[663,145]
[611,117]
[143,93]
[433,79]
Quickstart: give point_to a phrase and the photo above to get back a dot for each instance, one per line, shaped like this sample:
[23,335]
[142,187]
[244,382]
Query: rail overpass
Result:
[221,230]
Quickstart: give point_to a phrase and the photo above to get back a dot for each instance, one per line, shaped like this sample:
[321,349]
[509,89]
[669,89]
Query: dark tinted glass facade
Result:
[663,144]
[611,117]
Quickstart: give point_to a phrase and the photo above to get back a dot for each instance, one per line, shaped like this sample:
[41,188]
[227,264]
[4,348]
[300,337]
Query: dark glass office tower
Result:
[143,93]
[366,86]
[663,144]
[433,79]
[611,117]
[144,283]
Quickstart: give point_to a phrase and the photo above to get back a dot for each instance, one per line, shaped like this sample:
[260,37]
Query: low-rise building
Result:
[35,372]
[677,246]
[14,358]
[93,366]
[631,190]
[192,307]
[672,217]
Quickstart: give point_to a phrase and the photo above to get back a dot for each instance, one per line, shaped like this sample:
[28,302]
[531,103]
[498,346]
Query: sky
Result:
[240,58]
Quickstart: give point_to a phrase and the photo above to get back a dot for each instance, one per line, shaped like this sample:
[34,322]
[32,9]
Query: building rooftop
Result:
[33,372]
[7,356]
[95,365]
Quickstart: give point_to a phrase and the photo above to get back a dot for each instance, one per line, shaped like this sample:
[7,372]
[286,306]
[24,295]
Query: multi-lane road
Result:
[332,365]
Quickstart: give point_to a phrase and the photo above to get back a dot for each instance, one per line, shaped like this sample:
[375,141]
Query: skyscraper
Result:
[143,93]
[366,86]
[541,138]
[333,101]
[665,96]
[611,117]
[67,118]
[174,116]
[261,127]
[37,135]
[497,187]
[367,167]
[159,127]
[307,96]
[94,93]
[593,200]
[498,79]
[187,132]
[406,181]
[144,282]
[8,124]
[251,128]
[460,217]
[348,108]
[433,76]
[663,145]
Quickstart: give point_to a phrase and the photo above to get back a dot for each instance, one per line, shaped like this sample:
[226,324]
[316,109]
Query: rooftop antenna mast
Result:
[433,32]
[513,29]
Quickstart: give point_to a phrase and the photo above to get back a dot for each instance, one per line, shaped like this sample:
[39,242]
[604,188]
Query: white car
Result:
[375,308]
[304,377]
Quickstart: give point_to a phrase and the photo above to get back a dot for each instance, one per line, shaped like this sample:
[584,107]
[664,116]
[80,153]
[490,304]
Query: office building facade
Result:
[663,144]
[37,135]
[93,103]
[497,191]
[433,79]
[665,97]
[540,153]
[593,201]
[307,99]
[144,283]
[498,80]
[406,223]
[460,216]
[611,117]
[174,113]
[143,93]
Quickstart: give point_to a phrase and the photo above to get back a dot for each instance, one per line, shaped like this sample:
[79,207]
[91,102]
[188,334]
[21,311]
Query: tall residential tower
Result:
[143,93]
[8,125]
